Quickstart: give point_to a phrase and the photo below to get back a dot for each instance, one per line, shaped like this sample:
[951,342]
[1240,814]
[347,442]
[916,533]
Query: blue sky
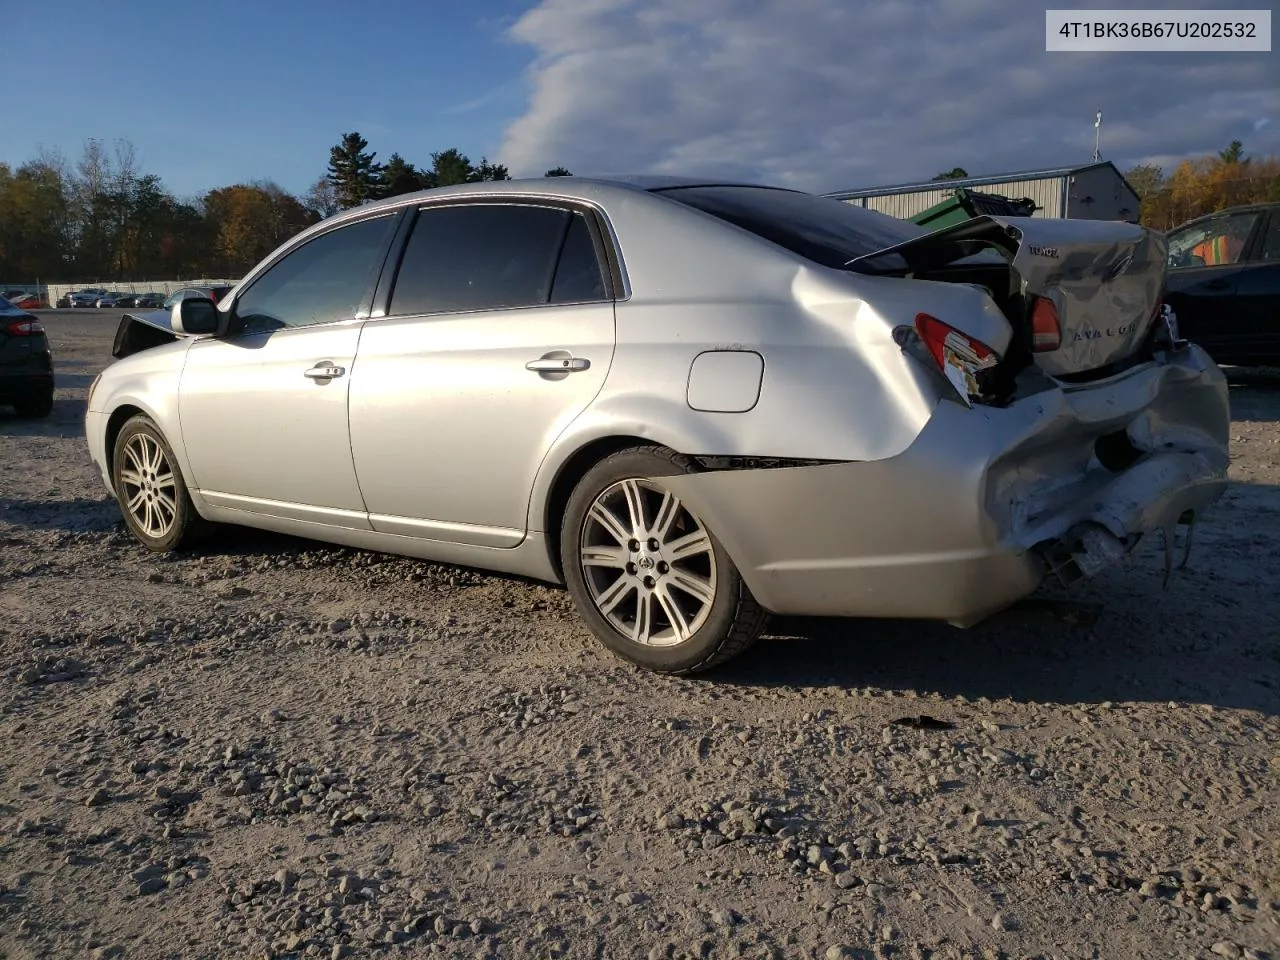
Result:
[223,91]
[818,94]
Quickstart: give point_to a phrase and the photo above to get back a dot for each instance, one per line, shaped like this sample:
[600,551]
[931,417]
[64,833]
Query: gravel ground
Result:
[280,749]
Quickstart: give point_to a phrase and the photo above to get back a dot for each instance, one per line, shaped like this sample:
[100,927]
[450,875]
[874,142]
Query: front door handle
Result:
[324,371]
[558,364]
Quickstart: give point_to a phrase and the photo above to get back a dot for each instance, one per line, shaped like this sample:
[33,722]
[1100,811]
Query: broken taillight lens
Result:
[1046,332]
[960,357]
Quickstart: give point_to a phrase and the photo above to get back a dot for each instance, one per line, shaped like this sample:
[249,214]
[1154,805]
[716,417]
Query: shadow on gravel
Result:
[1255,393]
[65,516]
[1042,650]
[67,418]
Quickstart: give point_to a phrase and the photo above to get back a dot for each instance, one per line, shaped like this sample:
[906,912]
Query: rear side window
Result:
[495,256]
[827,231]
[578,275]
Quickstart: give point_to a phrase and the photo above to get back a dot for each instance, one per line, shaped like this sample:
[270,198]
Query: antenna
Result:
[1097,137]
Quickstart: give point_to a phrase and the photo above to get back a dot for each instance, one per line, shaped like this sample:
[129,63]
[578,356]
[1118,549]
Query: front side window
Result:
[495,256]
[1213,242]
[322,281]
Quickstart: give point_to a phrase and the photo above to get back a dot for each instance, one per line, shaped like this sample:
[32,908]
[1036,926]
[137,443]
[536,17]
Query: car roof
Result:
[549,186]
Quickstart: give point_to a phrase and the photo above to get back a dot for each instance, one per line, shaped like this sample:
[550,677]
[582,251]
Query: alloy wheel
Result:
[648,563]
[150,493]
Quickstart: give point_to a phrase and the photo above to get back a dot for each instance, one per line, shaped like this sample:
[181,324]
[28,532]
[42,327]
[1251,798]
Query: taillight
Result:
[1046,332]
[960,357]
[23,328]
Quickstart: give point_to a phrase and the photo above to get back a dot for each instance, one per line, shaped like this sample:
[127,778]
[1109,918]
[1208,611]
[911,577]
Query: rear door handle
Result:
[324,371]
[558,365]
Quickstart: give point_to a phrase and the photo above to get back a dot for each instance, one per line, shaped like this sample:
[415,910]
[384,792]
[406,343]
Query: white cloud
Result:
[822,95]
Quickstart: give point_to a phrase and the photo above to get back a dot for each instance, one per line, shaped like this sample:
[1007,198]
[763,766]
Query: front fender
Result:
[148,382]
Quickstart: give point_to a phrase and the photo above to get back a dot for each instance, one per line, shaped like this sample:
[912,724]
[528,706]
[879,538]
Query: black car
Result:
[26,364]
[1224,283]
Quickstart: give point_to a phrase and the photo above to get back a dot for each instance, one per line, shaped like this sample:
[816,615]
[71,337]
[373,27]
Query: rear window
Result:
[827,231]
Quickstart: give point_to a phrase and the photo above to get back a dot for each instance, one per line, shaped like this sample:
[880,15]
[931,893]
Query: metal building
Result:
[1094,191]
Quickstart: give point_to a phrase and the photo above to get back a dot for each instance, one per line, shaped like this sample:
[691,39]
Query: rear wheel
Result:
[153,498]
[650,579]
[35,407]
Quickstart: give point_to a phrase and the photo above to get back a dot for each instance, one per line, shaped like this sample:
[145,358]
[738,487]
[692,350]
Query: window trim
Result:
[603,239]
[235,327]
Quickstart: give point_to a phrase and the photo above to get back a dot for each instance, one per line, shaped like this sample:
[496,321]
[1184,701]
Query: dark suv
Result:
[26,365]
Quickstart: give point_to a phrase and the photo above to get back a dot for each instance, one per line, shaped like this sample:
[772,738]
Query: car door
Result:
[1207,259]
[1258,288]
[499,332]
[264,408]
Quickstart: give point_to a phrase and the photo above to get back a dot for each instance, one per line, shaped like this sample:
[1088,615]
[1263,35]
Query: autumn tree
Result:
[353,171]
[251,220]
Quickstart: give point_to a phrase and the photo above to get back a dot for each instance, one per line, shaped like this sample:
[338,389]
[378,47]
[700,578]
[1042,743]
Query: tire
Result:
[144,472]
[670,614]
[35,407]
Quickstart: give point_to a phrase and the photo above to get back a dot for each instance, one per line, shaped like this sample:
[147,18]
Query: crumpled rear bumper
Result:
[970,517]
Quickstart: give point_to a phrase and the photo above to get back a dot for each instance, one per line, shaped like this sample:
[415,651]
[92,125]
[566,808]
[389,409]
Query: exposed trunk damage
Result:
[142,331]
[1105,280]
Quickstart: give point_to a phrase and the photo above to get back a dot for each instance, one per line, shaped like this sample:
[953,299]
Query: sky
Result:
[820,95]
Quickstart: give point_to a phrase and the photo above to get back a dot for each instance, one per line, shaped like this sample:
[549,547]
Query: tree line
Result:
[104,218]
[1204,185]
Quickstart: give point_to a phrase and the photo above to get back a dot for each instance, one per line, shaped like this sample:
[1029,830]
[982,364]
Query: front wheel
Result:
[652,582]
[149,488]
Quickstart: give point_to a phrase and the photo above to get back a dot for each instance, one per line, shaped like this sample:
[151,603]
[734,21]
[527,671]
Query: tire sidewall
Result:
[184,508]
[636,464]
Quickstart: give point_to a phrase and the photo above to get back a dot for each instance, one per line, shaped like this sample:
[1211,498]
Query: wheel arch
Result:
[115,423]
[566,478]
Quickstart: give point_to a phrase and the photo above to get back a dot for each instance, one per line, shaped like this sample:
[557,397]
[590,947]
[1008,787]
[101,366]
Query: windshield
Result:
[827,231]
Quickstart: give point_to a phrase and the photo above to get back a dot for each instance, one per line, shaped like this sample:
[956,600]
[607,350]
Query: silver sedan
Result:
[692,403]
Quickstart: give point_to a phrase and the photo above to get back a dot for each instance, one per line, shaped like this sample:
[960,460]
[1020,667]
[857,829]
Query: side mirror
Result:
[195,315]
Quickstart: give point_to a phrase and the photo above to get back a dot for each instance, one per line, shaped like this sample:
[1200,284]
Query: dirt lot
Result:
[274,748]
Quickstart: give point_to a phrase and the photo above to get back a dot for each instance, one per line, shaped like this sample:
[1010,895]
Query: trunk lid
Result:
[1105,279]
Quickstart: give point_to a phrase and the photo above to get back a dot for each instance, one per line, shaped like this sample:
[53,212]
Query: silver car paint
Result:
[246,408]
[449,427]
[945,530]
[836,386]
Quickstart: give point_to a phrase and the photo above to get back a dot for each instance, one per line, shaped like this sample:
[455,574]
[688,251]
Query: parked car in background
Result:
[30,301]
[125,300]
[63,302]
[1224,283]
[693,403]
[149,300]
[26,363]
[86,298]
[111,299]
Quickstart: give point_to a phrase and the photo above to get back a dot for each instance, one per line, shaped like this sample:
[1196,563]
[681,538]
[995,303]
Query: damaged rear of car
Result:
[1072,423]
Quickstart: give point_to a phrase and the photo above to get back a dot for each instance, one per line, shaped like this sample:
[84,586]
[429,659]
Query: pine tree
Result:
[353,172]
[399,176]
